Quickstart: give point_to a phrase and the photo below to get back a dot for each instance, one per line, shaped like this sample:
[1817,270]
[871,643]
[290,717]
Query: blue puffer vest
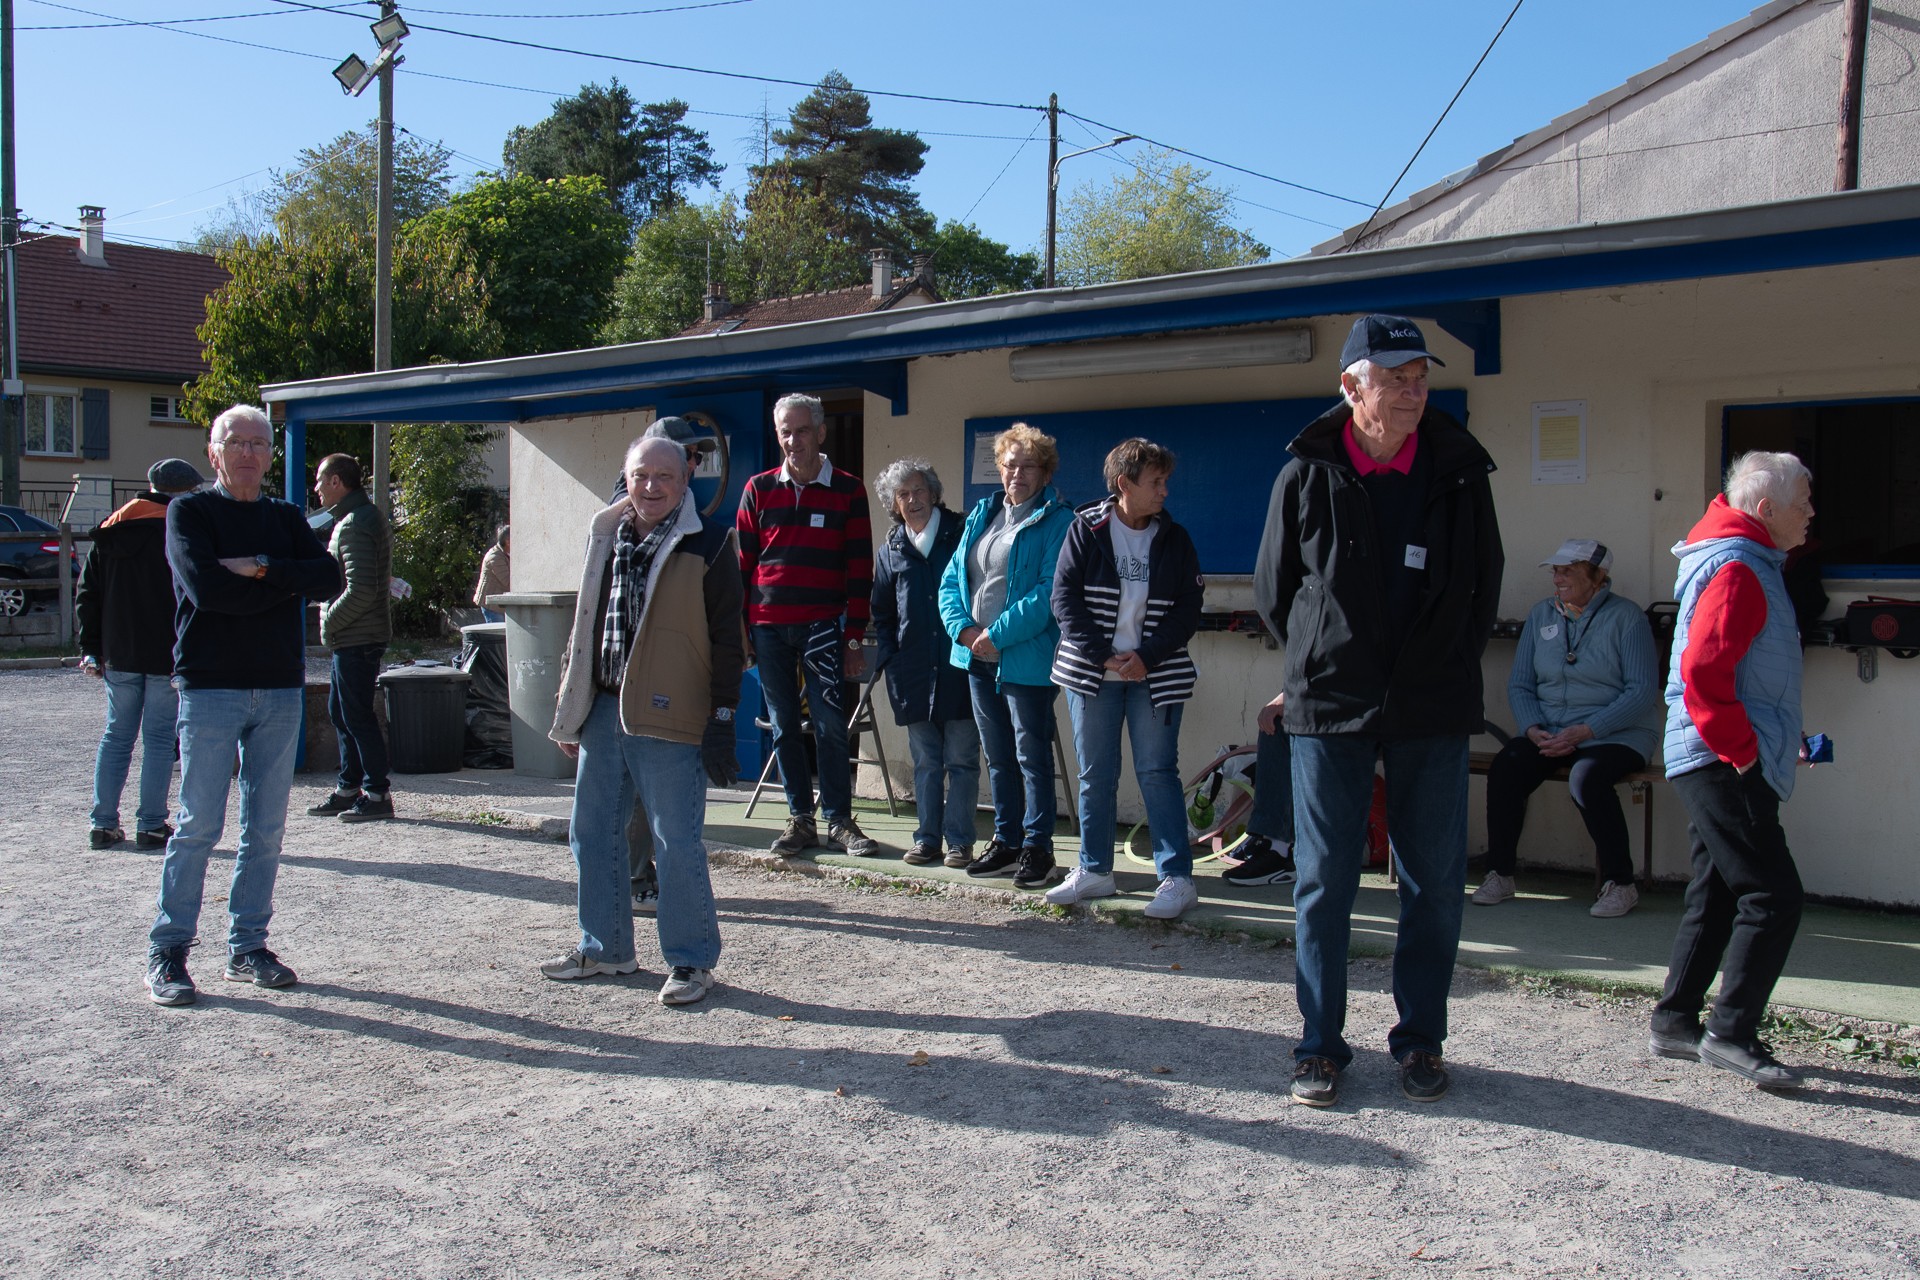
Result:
[1767,680]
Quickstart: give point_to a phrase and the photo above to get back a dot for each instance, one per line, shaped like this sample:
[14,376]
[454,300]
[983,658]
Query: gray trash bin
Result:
[426,717]
[538,624]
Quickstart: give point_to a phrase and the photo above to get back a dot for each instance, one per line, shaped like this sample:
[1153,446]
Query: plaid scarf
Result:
[633,555]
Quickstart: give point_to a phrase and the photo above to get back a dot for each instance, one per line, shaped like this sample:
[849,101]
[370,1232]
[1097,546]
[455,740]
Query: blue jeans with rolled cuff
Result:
[142,708]
[1272,814]
[1155,734]
[946,780]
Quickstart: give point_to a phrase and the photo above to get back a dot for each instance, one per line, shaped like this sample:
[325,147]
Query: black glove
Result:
[716,753]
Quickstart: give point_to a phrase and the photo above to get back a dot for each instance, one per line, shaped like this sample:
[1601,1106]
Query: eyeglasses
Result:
[244,444]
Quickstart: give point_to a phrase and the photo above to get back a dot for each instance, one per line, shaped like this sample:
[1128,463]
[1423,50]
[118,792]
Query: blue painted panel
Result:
[1228,456]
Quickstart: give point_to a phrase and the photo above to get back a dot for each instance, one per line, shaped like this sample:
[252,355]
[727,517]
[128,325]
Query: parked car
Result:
[25,559]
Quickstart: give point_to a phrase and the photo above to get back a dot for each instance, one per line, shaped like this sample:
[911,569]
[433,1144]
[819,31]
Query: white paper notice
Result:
[1560,442]
[984,469]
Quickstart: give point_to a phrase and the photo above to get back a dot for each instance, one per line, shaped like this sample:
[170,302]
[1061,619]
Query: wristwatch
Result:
[853,646]
[260,572]
[723,714]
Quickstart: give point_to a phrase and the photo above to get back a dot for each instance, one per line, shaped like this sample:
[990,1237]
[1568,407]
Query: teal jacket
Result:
[1025,633]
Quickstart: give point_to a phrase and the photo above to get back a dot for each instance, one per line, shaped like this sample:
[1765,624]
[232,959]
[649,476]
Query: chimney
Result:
[716,304]
[92,245]
[882,271]
[923,268]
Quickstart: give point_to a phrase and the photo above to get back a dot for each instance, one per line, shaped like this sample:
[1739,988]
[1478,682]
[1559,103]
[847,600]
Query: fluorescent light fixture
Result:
[1161,355]
[352,73]
[391,29]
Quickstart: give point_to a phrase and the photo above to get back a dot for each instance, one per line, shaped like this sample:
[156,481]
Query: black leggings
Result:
[1517,773]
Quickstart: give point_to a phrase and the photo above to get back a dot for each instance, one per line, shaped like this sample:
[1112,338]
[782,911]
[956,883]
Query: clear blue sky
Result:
[162,127]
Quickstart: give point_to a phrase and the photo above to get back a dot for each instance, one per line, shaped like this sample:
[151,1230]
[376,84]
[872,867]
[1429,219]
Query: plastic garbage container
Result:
[483,655]
[538,624]
[426,717]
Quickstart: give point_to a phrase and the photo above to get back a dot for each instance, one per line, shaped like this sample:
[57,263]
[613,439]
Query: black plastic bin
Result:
[426,717]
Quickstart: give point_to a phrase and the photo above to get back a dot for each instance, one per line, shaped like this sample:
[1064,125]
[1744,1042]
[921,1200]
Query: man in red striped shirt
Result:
[806,554]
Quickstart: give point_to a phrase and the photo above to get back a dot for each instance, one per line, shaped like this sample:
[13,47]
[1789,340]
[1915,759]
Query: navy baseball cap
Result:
[684,432]
[1388,341]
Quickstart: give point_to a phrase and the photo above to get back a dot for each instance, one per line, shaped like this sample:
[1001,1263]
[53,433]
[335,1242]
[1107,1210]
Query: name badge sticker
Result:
[1549,631]
[1416,557]
[661,702]
[818,520]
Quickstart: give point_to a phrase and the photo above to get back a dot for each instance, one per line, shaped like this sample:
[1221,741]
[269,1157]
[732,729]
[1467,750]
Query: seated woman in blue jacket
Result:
[1583,689]
[1127,594]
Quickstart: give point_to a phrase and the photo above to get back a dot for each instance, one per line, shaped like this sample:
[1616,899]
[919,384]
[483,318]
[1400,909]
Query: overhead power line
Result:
[611,13]
[1222,164]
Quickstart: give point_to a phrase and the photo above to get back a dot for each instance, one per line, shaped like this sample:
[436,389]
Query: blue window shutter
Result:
[94,426]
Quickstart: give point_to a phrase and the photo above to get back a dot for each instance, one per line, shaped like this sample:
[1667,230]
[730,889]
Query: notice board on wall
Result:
[1228,456]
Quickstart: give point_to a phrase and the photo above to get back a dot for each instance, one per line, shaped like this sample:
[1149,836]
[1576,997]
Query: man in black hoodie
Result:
[125,606]
[1379,569]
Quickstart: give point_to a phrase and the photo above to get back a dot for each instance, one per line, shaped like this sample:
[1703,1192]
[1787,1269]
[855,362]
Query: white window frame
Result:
[176,410]
[27,428]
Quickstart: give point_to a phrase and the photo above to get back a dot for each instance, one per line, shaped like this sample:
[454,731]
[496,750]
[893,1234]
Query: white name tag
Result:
[1549,631]
[1416,557]
[818,521]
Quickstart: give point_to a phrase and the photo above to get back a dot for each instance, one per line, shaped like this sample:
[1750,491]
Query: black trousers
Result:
[1742,908]
[1517,773]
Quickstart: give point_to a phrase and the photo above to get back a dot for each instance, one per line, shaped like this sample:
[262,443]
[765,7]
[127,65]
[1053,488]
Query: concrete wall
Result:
[563,469]
[1752,121]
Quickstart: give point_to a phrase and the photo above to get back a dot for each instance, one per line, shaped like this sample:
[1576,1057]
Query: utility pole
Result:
[1853,72]
[1053,175]
[11,401]
[383,272]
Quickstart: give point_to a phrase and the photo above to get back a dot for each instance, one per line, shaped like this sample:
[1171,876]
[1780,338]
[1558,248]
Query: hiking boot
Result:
[1615,900]
[800,836]
[167,979]
[1316,1082]
[335,803]
[1034,868]
[1171,900]
[260,967]
[154,839]
[1682,1042]
[105,837]
[685,985]
[1422,1077]
[996,859]
[577,964]
[1495,889]
[1263,864]
[959,856]
[1749,1059]
[847,837]
[646,901]
[1080,885]
[924,854]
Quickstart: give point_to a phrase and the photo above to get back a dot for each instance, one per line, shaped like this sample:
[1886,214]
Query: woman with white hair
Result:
[1733,738]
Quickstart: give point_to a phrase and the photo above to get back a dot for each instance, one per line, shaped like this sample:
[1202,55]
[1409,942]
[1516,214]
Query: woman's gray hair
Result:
[816,412]
[886,485]
[1758,475]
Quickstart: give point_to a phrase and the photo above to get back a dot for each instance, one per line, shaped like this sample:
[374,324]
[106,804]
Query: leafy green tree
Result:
[675,158]
[337,185]
[1159,219]
[795,241]
[833,152]
[595,132]
[967,264]
[549,251]
[444,517]
[662,287]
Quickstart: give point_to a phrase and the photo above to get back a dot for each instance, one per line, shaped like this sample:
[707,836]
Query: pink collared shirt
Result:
[1401,461]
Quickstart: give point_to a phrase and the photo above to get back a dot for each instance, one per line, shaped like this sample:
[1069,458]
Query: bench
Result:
[1640,783]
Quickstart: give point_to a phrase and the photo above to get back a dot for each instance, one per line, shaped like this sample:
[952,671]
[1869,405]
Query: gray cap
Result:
[174,475]
[684,432]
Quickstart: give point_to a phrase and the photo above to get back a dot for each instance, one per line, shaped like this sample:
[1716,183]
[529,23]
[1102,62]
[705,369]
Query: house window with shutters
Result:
[167,408]
[52,424]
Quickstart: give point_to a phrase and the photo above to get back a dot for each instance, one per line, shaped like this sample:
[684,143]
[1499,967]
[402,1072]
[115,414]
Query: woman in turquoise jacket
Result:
[995,602]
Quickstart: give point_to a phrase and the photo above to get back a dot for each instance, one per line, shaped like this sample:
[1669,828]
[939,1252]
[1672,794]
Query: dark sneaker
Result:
[959,856]
[105,837]
[646,901]
[369,808]
[685,985]
[1035,867]
[1423,1078]
[260,967]
[847,837]
[1264,865]
[922,855]
[1751,1060]
[334,803]
[1316,1082]
[1676,1042]
[578,964]
[800,836]
[154,839]
[167,979]
[996,859]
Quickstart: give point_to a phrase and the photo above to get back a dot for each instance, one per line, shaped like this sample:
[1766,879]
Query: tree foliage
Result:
[662,287]
[444,517]
[1160,219]
[648,156]
[675,158]
[967,264]
[548,250]
[833,152]
[338,184]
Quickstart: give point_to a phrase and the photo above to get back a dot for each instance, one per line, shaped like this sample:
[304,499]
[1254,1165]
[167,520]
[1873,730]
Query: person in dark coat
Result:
[125,607]
[930,695]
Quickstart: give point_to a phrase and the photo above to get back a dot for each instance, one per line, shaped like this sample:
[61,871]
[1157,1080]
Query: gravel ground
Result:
[884,1084]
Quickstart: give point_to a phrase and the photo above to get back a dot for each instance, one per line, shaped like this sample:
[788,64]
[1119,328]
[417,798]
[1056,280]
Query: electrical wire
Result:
[1003,169]
[155,22]
[201,35]
[616,13]
[1222,164]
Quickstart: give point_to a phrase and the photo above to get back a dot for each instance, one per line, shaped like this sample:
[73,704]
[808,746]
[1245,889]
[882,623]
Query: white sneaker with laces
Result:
[686,985]
[1175,895]
[1495,888]
[1080,885]
[1615,900]
[577,964]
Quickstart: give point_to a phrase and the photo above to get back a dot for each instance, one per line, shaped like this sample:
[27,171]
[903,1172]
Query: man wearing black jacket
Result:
[1380,570]
[125,607]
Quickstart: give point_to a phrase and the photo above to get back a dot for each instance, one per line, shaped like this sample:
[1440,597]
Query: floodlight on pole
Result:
[1053,190]
[355,75]
[390,30]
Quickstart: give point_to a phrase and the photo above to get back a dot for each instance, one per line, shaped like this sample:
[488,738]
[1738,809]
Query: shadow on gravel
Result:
[448,875]
[1010,1096]
[1675,1129]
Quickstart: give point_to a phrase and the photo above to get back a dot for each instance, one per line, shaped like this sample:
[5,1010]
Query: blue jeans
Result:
[363,749]
[1155,735]
[673,786]
[1427,822]
[263,726]
[1016,731]
[946,780]
[819,649]
[144,707]
[1272,814]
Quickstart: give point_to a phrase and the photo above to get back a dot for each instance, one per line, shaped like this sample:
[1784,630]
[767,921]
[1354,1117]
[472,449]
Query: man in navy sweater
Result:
[242,562]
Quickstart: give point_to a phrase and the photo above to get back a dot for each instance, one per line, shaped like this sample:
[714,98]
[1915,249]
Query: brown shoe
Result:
[800,836]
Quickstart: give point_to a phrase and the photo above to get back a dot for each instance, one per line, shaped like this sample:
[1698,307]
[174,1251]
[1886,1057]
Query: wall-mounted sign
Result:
[1560,442]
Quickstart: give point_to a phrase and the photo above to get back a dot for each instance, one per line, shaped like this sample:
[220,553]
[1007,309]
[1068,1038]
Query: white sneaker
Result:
[1080,885]
[646,902]
[1495,888]
[1175,895]
[576,964]
[685,985]
[1615,900]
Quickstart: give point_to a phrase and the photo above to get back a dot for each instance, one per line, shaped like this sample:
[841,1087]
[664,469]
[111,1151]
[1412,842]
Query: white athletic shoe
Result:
[1615,899]
[1080,885]
[1494,889]
[1175,895]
